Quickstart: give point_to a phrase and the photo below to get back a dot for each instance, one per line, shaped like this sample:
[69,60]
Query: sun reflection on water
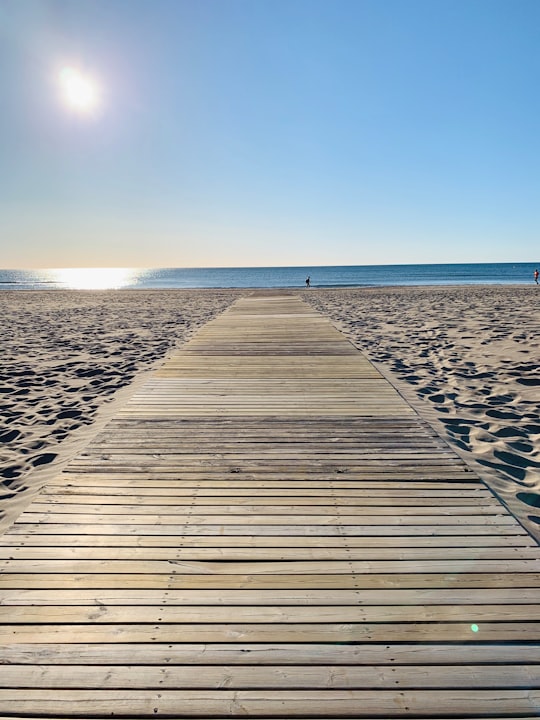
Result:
[93,278]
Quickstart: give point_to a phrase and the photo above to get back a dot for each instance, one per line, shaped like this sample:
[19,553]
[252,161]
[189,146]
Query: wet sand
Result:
[468,359]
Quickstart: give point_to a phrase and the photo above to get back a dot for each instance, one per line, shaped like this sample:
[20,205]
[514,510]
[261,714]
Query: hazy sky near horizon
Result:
[270,132]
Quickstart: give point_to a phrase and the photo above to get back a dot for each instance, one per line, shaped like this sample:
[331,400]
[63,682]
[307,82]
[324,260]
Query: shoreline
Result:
[467,357]
[297,287]
[277,277]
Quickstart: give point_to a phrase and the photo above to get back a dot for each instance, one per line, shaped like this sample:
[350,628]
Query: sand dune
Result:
[470,357]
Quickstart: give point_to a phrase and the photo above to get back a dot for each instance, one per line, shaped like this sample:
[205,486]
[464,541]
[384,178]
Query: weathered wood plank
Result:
[458,477]
[270,567]
[255,677]
[220,541]
[362,654]
[299,581]
[255,495]
[267,528]
[251,554]
[287,614]
[273,632]
[202,518]
[304,597]
[214,527]
[268,507]
[277,703]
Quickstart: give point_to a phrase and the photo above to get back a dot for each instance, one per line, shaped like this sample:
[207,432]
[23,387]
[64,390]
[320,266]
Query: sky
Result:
[270,132]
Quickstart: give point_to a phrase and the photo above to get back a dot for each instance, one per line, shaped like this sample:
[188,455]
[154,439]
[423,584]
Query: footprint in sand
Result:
[86,373]
[43,459]
[509,431]
[69,414]
[525,368]
[461,442]
[428,390]
[529,498]
[459,428]
[9,436]
[502,415]
[500,399]
[522,447]
[518,474]
[515,459]
[34,445]
[11,472]
[528,382]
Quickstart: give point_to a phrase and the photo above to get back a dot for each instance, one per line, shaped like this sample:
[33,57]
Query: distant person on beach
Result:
[535,276]
[308,281]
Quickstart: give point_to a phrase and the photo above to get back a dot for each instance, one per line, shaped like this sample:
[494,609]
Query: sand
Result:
[66,356]
[467,358]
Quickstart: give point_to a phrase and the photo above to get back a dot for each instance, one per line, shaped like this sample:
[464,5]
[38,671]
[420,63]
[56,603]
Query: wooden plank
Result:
[269,677]
[299,581]
[214,528]
[51,551]
[305,597]
[268,507]
[273,632]
[445,478]
[336,518]
[267,528]
[311,496]
[362,654]
[449,543]
[278,703]
[282,615]
[270,567]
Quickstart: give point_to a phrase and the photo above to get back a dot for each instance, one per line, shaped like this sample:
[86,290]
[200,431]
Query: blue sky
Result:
[270,132]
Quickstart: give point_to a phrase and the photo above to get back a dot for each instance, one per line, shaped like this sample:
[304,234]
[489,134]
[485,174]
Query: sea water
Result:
[268,277]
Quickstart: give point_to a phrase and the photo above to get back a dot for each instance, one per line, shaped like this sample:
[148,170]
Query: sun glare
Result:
[80,92]
[93,278]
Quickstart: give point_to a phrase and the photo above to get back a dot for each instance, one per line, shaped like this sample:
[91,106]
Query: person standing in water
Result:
[535,276]
[308,281]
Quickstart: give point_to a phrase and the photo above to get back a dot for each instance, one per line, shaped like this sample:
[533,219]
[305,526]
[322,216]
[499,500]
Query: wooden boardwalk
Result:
[268,529]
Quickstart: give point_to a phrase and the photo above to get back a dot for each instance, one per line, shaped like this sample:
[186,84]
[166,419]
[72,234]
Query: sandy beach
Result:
[467,358]
[66,356]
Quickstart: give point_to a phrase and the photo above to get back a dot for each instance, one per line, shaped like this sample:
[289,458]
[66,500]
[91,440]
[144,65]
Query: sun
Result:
[79,91]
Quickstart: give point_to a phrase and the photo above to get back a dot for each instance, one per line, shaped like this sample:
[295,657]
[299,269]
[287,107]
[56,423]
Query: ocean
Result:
[331,276]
